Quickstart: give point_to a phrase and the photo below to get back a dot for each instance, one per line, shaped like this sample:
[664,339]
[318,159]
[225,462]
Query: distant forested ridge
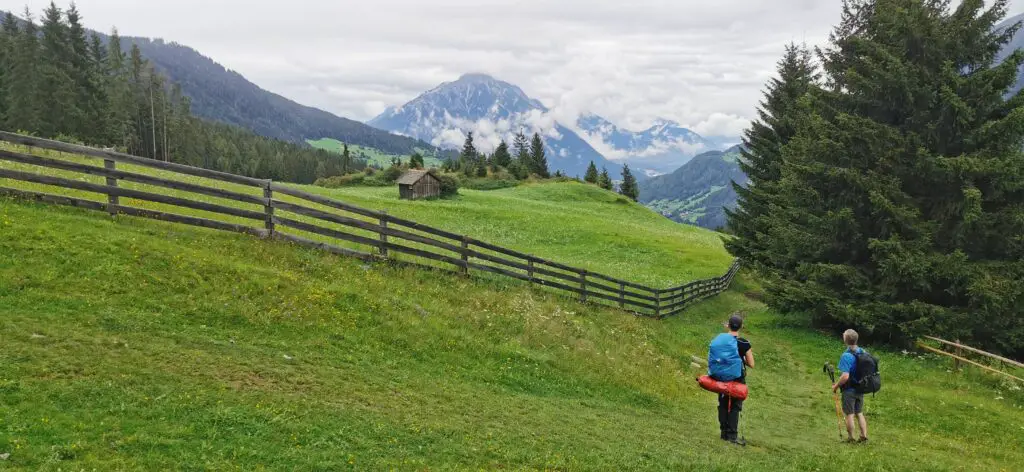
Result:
[699,192]
[226,96]
[58,80]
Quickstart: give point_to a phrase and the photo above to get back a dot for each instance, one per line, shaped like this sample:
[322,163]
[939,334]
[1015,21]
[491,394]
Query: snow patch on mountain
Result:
[661,148]
[494,111]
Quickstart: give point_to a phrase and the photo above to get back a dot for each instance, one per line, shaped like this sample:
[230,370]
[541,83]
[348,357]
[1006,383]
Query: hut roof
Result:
[411,177]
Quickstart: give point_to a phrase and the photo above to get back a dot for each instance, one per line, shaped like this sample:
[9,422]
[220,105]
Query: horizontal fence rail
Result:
[958,356]
[315,221]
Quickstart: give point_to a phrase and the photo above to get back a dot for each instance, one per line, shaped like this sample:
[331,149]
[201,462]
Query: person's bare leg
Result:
[863,425]
[849,425]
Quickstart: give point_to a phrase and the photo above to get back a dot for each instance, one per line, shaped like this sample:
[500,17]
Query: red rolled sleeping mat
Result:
[732,389]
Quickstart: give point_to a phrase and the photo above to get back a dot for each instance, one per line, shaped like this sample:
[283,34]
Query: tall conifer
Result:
[762,156]
[591,176]
[538,158]
[902,193]
[629,187]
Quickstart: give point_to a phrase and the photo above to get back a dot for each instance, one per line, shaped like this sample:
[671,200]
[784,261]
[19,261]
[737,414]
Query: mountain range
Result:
[694,192]
[493,110]
[659,149]
[220,94]
[699,191]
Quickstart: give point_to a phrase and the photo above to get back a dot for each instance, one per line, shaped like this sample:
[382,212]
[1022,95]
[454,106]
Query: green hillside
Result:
[573,223]
[565,222]
[139,345]
[371,155]
[698,192]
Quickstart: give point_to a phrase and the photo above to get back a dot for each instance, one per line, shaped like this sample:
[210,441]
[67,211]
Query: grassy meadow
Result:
[373,156]
[132,344]
[570,223]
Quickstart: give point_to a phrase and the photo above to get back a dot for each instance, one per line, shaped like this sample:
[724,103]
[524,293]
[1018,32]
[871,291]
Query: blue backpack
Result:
[724,361]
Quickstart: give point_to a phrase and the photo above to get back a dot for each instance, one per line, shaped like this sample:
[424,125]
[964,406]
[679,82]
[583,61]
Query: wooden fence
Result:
[958,356]
[284,212]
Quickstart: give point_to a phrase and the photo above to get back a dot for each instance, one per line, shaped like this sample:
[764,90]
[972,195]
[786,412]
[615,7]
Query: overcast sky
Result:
[699,62]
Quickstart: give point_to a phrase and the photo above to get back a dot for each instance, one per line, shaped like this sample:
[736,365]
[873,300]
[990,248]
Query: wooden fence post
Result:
[112,200]
[384,236]
[622,295]
[657,304]
[529,271]
[268,209]
[956,362]
[583,286]
[465,256]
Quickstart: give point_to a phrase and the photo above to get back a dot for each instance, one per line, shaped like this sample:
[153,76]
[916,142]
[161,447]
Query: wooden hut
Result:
[416,184]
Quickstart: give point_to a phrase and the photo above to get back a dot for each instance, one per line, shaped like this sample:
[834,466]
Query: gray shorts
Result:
[853,403]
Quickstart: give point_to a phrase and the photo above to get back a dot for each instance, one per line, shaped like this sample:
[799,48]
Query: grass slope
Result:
[571,223]
[137,345]
[372,155]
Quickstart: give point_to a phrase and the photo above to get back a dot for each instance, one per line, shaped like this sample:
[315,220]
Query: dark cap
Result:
[735,322]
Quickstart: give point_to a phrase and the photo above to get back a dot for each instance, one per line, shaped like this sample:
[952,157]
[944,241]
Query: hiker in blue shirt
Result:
[853,402]
[728,358]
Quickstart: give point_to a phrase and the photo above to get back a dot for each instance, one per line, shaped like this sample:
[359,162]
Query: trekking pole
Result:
[835,397]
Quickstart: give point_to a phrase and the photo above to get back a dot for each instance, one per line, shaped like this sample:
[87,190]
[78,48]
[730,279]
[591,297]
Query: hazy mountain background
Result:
[662,148]
[493,110]
[699,191]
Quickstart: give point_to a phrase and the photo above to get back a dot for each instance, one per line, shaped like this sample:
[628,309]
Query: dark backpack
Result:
[867,380]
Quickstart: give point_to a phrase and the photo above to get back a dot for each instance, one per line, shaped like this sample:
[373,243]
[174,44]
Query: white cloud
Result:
[700,63]
[721,124]
[597,142]
[450,138]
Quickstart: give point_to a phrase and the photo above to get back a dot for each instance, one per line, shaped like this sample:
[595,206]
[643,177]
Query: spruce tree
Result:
[83,76]
[346,159]
[762,157]
[604,181]
[138,84]
[416,161]
[538,159]
[469,156]
[502,158]
[629,186]
[7,37]
[60,111]
[23,78]
[591,176]
[120,107]
[97,128]
[521,145]
[902,193]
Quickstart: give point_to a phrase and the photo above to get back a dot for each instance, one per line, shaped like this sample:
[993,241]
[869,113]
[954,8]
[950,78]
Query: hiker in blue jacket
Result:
[853,401]
[728,358]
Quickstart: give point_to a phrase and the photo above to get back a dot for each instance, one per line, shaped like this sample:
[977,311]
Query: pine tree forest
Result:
[58,81]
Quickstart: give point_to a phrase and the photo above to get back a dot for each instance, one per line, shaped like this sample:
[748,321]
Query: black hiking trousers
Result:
[729,415]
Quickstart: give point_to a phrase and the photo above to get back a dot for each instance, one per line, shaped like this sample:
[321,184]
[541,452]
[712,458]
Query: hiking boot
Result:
[862,440]
[739,442]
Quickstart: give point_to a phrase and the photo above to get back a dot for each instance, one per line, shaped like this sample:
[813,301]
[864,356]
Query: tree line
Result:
[530,159]
[887,177]
[628,188]
[58,81]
